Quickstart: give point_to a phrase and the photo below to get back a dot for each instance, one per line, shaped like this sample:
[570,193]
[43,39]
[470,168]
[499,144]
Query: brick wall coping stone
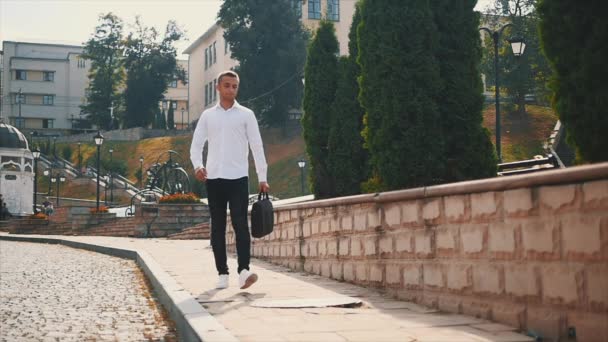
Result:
[552,177]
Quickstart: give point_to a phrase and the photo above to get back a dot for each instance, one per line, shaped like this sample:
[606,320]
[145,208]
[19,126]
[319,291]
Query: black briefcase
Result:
[262,217]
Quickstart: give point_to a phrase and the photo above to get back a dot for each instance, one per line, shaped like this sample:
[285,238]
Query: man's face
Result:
[228,87]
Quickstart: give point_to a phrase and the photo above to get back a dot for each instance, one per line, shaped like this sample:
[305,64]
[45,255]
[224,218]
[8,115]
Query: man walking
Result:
[229,129]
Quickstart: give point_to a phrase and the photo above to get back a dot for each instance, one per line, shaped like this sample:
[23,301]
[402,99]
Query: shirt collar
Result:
[235,105]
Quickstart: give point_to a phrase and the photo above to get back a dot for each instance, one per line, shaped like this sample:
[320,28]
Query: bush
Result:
[38,216]
[102,209]
[66,152]
[179,198]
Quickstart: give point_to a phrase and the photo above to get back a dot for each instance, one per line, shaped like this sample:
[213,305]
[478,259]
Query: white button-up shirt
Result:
[229,134]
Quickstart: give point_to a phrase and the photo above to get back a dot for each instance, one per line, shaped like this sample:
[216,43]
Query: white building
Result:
[210,54]
[43,84]
[16,171]
[176,96]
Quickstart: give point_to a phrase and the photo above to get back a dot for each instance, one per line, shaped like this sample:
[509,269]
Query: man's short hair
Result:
[228,73]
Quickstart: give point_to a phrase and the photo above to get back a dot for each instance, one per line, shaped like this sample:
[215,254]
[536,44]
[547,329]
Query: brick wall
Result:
[530,251]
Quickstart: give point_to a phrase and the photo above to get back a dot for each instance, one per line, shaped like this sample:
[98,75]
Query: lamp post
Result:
[141,171]
[49,173]
[79,158]
[183,118]
[54,151]
[20,101]
[514,43]
[98,141]
[59,178]
[105,189]
[302,165]
[36,154]
[111,178]
[165,105]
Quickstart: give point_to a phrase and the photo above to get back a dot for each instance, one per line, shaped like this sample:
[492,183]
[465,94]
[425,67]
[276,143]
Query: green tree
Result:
[170,117]
[347,159]
[104,49]
[269,41]
[399,85]
[151,65]
[320,75]
[574,41]
[469,151]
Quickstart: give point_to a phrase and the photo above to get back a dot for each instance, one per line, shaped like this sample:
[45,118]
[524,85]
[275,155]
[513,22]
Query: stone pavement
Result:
[57,293]
[379,318]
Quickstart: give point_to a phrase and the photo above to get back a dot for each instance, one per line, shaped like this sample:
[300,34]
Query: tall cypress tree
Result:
[469,151]
[574,40]
[320,76]
[399,85]
[347,157]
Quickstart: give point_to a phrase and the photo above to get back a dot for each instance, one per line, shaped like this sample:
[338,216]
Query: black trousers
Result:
[235,192]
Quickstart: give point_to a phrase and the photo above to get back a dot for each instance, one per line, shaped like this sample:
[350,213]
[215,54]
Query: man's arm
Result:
[257,148]
[196,148]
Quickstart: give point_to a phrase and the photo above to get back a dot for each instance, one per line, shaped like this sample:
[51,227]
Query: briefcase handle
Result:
[263,195]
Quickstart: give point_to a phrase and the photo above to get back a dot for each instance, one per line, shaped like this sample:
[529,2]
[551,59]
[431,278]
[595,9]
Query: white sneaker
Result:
[222,282]
[247,278]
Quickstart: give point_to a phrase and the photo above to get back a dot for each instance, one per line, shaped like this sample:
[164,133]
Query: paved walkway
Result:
[380,318]
[57,293]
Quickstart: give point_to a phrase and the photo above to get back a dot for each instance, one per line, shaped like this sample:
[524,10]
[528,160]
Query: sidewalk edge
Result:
[192,321]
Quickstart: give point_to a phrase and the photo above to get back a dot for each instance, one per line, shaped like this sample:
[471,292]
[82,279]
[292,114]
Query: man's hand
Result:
[264,187]
[201,174]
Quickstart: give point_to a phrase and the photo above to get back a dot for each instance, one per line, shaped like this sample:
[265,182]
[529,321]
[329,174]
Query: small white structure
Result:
[16,171]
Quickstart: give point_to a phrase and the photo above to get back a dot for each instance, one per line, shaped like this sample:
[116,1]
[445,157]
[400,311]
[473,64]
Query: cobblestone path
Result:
[57,293]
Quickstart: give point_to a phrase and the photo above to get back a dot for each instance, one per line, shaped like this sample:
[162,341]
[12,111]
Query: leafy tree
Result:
[66,152]
[574,40]
[469,151]
[347,159]
[399,85]
[104,49]
[162,122]
[268,40]
[170,117]
[151,65]
[320,74]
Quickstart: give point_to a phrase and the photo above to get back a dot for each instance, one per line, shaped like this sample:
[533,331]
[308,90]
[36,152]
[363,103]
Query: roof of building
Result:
[11,137]
[200,39]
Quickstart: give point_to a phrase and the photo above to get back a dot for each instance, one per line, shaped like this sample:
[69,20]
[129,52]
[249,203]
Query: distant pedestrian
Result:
[230,130]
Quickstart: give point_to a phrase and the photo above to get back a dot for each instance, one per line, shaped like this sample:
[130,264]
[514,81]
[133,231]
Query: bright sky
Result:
[73,21]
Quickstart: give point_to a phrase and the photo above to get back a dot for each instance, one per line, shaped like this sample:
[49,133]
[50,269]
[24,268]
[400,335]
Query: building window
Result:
[81,63]
[206,59]
[48,76]
[47,123]
[21,75]
[214,53]
[211,91]
[214,89]
[314,9]
[48,100]
[333,10]
[19,99]
[173,84]
[20,122]
[174,104]
[225,47]
[297,7]
[206,95]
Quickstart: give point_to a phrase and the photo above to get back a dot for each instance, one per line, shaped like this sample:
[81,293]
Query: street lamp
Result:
[59,178]
[98,141]
[48,173]
[106,178]
[111,178]
[165,105]
[302,165]
[54,151]
[516,43]
[36,154]
[141,170]
[79,158]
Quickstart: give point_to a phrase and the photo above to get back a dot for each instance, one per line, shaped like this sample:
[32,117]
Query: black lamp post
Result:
[141,171]
[106,178]
[59,178]
[98,141]
[49,172]
[36,154]
[302,165]
[54,151]
[79,158]
[515,43]
[111,178]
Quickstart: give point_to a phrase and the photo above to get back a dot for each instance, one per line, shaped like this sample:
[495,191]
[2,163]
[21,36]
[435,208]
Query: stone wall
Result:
[530,251]
[131,134]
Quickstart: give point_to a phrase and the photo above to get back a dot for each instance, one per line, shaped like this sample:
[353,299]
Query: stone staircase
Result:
[199,232]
